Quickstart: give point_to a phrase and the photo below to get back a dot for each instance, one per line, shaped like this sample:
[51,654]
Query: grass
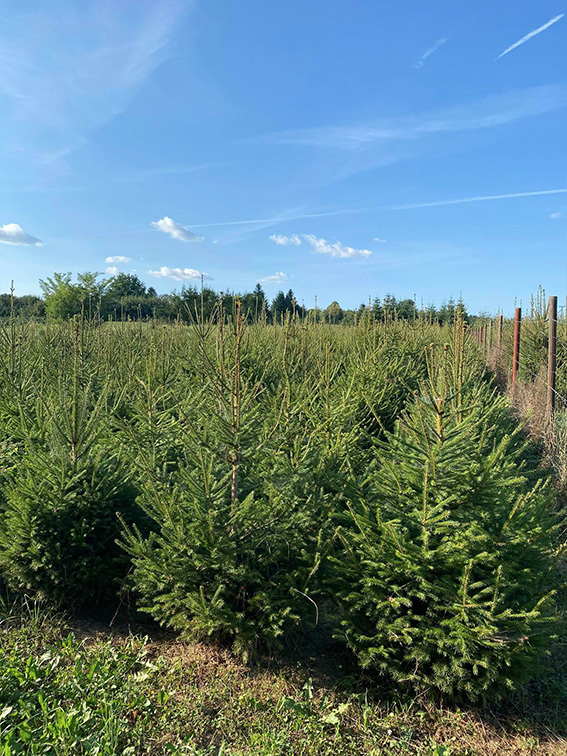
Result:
[82,690]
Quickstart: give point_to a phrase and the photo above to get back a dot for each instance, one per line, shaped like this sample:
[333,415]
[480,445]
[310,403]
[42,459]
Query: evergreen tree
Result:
[58,540]
[234,526]
[278,307]
[334,313]
[447,575]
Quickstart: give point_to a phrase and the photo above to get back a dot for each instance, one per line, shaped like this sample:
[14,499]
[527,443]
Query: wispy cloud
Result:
[112,270]
[334,249]
[13,233]
[379,240]
[286,241]
[485,198]
[169,226]
[529,36]
[371,209]
[117,259]
[267,221]
[485,113]
[179,274]
[275,280]
[556,215]
[70,70]
[421,61]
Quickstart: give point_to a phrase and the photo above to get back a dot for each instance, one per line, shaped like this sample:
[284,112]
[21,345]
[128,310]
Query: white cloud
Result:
[421,61]
[485,113]
[179,274]
[117,259]
[335,249]
[112,270]
[169,226]
[286,241]
[379,240]
[556,215]
[13,233]
[533,33]
[277,278]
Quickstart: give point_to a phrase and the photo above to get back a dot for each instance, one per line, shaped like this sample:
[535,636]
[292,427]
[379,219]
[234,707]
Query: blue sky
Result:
[322,146]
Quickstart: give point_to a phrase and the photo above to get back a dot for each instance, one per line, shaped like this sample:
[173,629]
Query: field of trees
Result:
[126,297]
[356,506]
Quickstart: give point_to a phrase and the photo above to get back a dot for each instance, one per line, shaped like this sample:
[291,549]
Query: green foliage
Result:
[235,530]
[447,573]
[63,298]
[126,285]
[59,515]
[28,307]
[233,452]
[66,699]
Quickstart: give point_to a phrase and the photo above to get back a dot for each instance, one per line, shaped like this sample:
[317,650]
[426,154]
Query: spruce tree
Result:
[59,530]
[447,575]
[234,526]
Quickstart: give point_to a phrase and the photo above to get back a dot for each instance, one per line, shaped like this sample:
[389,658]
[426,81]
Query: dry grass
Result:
[256,698]
[529,402]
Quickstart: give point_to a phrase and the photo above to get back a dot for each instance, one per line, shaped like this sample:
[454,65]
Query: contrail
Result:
[462,200]
[421,61]
[272,220]
[355,210]
[532,34]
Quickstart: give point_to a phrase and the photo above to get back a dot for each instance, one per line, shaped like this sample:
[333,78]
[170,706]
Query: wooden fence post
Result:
[516,356]
[551,357]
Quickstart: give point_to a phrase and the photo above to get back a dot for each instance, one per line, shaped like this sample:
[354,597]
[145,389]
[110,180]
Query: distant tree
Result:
[284,304]
[430,313]
[254,304]
[389,305]
[290,301]
[377,309]
[63,298]
[126,285]
[126,298]
[405,309]
[278,307]
[446,314]
[28,306]
[334,313]
[188,304]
